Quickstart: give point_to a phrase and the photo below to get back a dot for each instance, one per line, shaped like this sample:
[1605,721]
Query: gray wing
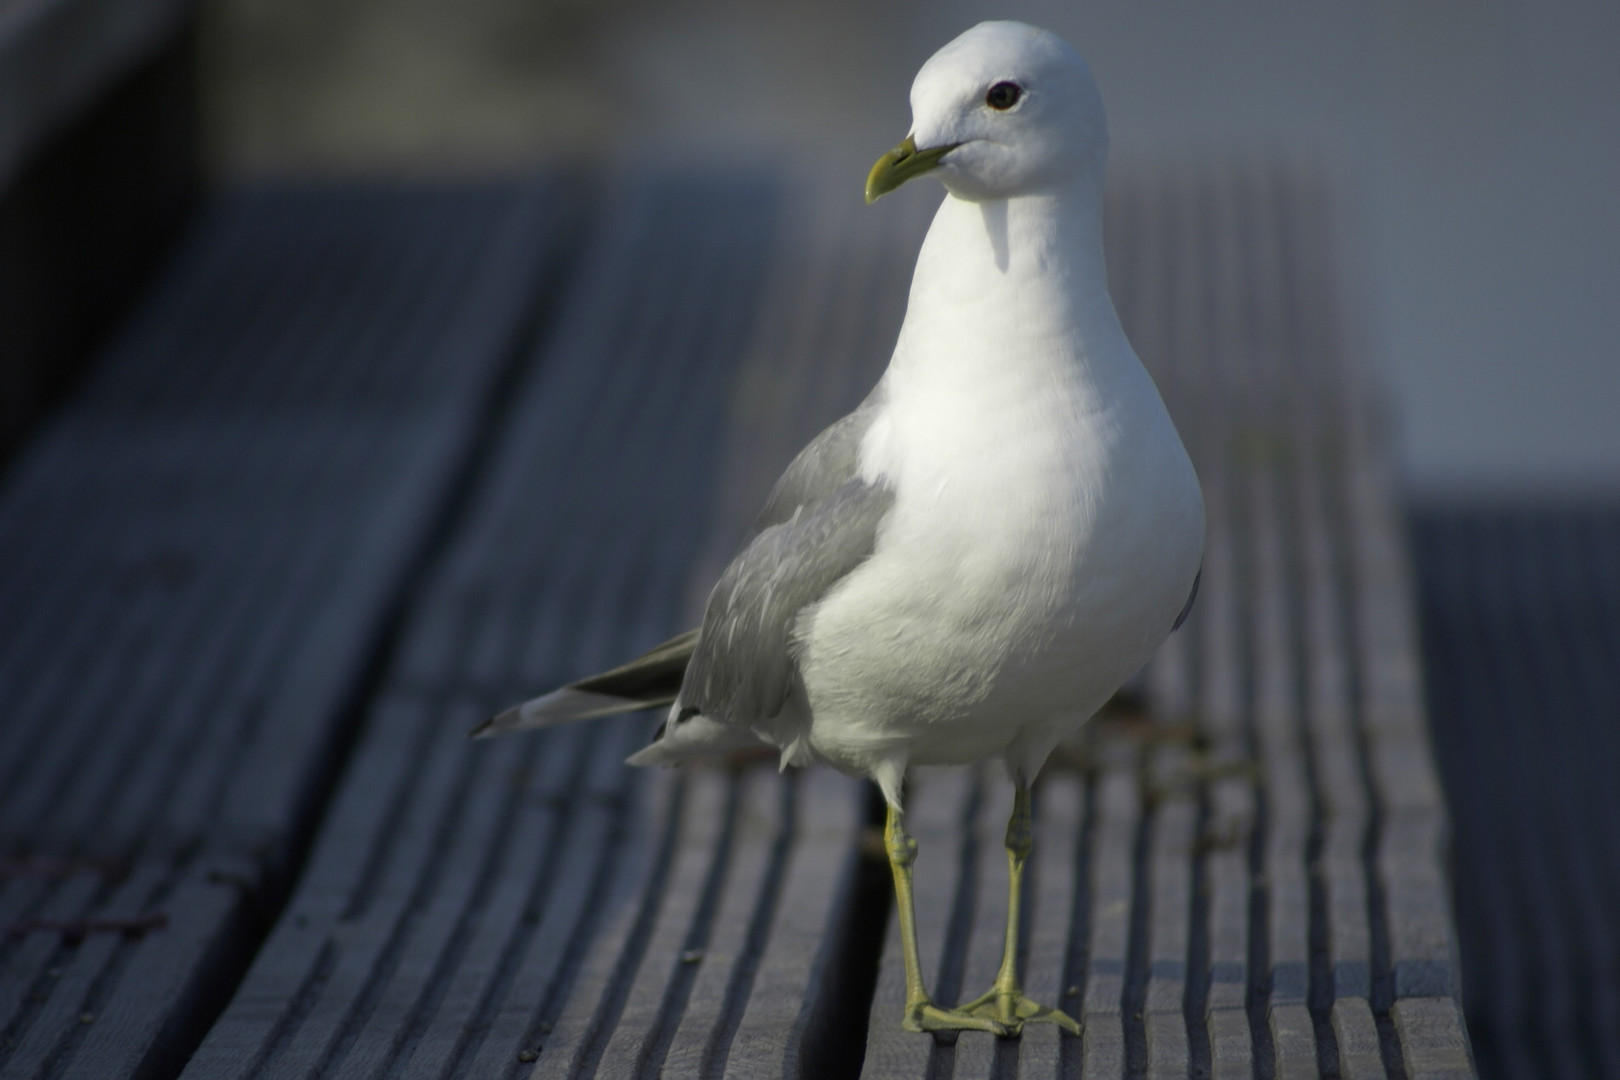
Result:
[821,468]
[743,667]
[810,533]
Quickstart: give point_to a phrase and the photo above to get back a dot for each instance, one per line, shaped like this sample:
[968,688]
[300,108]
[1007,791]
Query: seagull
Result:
[968,565]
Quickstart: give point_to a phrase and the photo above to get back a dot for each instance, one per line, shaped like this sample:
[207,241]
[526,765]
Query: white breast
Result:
[1046,529]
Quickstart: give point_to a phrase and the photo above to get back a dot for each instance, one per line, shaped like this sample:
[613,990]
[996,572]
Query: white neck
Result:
[1010,347]
[1027,272]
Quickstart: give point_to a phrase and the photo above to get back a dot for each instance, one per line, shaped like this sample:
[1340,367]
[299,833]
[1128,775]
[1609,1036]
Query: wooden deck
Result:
[368,464]
[1521,621]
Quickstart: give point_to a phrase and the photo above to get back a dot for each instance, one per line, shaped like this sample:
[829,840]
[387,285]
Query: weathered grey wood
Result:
[1361,1057]
[58,1021]
[793,973]
[1231,794]
[756,824]
[1118,808]
[679,932]
[1174,785]
[542,908]
[573,1045]
[1172,791]
[1286,783]
[1412,830]
[214,535]
[1335,753]
[1433,1043]
[1172,844]
[1521,623]
[975,1051]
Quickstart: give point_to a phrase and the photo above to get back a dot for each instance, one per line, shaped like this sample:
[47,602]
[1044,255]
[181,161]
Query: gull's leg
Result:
[921,1012]
[1005,1000]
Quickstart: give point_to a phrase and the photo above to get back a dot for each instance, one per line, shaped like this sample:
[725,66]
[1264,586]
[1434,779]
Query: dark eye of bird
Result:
[1003,95]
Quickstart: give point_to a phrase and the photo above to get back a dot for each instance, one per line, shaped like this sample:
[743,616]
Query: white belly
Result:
[1022,576]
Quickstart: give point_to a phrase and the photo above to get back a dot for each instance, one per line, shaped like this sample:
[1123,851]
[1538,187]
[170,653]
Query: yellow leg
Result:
[1005,1001]
[921,1012]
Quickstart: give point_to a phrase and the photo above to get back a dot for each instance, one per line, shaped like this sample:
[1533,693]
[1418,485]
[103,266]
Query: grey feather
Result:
[743,667]
[817,525]
[653,678]
[825,464]
[650,680]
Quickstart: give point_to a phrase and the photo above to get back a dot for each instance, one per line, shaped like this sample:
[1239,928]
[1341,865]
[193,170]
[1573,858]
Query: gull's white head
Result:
[1004,110]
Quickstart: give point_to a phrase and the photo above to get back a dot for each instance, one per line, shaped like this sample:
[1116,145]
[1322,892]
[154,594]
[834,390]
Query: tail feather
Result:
[649,681]
[653,677]
[696,736]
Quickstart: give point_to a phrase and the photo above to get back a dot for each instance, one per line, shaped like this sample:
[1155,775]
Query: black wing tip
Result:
[1186,609]
[495,724]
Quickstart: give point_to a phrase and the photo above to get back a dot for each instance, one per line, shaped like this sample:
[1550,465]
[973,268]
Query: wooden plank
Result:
[1215,621]
[1175,813]
[236,501]
[677,945]
[1412,929]
[1231,798]
[1336,755]
[1361,1053]
[56,1025]
[589,1018]
[1286,782]
[780,1023]
[757,825]
[1119,809]
[537,903]
[1434,1044]
[1519,621]
[975,1052]
[1186,333]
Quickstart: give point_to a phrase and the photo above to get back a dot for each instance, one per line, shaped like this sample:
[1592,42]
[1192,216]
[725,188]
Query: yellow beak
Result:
[901,164]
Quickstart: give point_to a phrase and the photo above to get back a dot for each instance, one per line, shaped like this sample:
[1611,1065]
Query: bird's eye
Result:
[1003,96]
